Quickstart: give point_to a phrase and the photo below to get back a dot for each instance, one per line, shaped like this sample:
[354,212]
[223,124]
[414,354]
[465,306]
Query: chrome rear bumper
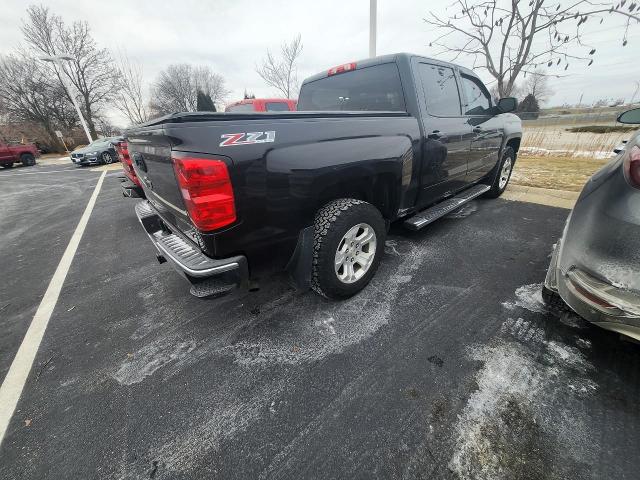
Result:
[187,258]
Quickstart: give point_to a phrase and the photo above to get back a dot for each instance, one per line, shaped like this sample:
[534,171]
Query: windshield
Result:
[376,88]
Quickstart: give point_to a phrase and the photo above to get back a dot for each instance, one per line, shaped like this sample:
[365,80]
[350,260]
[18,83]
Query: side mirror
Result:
[630,116]
[507,104]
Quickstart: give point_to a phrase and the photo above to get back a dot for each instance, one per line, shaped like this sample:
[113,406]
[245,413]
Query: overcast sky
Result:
[232,36]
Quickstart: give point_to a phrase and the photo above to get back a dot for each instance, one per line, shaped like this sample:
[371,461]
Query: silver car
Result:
[595,266]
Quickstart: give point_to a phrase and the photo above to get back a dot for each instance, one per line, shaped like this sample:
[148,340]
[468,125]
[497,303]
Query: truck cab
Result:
[11,153]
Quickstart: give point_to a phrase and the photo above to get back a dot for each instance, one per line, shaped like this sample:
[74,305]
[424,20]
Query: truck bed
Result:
[279,184]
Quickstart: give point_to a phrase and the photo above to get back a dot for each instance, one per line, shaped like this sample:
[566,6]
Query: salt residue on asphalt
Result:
[528,408]
[513,420]
[528,297]
[152,357]
[316,328]
[464,211]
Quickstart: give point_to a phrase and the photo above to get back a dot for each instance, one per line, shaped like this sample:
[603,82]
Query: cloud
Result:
[232,36]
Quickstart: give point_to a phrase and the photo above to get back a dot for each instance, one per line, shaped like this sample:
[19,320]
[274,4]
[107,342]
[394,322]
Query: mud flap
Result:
[301,262]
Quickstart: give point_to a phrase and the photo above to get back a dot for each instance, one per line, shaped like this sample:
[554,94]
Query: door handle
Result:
[477,129]
[436,135]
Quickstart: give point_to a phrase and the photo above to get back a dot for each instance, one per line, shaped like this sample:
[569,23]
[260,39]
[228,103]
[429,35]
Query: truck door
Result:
[486,126]
[5,153]
[447,133]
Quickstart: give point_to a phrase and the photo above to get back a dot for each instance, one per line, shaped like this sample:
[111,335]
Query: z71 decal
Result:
[231,139]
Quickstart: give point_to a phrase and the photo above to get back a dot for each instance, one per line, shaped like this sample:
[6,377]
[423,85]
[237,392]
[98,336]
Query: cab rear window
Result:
[375,88]
[243,107]
[277,106]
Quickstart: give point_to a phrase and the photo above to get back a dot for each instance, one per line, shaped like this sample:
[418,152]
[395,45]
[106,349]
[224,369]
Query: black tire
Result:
[107,158]
[496,189]
[332,222]
[27,159]
[7,165]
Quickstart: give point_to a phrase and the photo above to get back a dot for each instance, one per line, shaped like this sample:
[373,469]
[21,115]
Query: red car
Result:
[262,105]
[18,152]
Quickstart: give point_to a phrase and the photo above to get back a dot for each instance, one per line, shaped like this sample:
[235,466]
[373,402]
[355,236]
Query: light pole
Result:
[58,59]
[373,14]
[635,93]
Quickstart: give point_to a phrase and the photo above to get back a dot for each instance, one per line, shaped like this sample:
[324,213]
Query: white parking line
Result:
[14,382]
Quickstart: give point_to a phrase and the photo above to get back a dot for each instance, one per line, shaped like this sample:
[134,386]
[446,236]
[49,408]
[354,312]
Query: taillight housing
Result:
[123,152]
[632,167]
[122,149]
[207,192]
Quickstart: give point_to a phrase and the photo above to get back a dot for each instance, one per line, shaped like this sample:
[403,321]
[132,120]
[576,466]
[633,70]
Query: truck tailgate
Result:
[150,153]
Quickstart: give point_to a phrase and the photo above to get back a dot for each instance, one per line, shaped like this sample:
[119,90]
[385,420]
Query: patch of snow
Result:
[508,424]
[528,297]
[597,154]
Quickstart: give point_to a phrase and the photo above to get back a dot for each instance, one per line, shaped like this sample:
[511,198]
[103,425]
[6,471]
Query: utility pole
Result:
[58,61]
[373,14]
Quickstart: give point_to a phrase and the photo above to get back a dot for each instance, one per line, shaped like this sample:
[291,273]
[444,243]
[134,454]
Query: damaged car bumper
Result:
[596,300]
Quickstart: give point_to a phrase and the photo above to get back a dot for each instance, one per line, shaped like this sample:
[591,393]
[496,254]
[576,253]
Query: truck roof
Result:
[391,58]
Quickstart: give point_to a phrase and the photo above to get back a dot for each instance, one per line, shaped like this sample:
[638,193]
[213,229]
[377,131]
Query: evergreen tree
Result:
[204,102]
[529,108]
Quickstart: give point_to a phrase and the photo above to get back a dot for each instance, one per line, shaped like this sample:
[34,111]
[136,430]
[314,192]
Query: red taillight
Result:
[122,149]
[207,192]
[123,152]
[632,167]
[342,68]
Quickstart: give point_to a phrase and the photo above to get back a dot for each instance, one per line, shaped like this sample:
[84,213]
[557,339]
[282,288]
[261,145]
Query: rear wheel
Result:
[505,168]
[27,159]
[349,240]
[7,165]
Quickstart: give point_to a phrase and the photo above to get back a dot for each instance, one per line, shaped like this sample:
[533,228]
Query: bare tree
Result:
[281,73]
[129,98]
[91,71]
[536,83]
[29,94]
[176,89]
[511,37]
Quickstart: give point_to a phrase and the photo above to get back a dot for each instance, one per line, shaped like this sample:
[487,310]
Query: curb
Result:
[541,196]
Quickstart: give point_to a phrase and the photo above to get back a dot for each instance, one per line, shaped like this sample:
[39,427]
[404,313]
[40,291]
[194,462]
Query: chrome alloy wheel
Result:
[355,253]
[505,172]
[106,158]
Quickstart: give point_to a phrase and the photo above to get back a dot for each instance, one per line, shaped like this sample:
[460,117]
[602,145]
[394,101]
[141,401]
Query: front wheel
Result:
[349,240]
[505,167]
[107,158]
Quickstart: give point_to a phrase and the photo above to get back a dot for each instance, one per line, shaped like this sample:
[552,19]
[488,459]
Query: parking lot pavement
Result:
[447,366]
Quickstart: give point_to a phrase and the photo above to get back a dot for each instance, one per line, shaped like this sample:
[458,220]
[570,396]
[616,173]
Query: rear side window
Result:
[478,99]
[243,107]
[369,89]
[440,89]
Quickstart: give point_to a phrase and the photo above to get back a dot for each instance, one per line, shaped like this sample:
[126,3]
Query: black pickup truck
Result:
[231,197]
